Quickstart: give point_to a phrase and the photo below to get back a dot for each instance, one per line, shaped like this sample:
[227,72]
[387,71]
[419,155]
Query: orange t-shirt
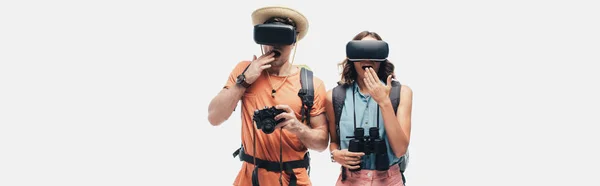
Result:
[257,97]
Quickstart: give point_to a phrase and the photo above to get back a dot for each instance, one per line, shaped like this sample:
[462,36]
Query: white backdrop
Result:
[117,92]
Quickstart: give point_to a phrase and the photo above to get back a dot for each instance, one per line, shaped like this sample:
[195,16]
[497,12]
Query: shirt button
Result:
[369,174]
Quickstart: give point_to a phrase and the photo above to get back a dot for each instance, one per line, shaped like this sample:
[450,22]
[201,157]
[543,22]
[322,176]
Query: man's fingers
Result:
[389,81]
[265,67]
[282,115]
[267,60]
[254,58]
[266,55]
[283,124]
[284,107]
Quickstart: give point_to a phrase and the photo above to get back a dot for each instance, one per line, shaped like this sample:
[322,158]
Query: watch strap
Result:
[331,155]
[243,82]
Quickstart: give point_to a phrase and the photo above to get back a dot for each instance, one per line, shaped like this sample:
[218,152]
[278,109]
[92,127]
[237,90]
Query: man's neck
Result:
[282,70]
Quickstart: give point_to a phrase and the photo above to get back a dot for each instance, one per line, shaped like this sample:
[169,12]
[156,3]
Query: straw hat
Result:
[261,15]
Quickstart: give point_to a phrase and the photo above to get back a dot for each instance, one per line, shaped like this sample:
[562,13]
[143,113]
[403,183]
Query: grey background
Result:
[116,92]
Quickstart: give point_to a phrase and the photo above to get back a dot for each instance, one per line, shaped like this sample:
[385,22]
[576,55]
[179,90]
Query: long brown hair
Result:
[349,73]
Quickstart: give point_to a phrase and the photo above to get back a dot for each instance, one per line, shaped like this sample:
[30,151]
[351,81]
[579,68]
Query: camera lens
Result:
[268,126]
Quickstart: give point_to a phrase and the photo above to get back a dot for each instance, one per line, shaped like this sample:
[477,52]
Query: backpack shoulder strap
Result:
[306,93]
[395,98]
[395,95]
[338,97]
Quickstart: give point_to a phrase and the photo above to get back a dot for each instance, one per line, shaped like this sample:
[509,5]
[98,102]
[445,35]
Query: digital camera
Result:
[265,119]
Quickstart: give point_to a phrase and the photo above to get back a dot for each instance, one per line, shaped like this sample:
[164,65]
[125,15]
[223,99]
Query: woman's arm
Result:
[398,126]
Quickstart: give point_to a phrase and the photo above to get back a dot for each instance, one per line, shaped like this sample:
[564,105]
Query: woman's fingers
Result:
[353,162]
[369,82]
[374,74]
[352,158]
[351,166]
[370,86]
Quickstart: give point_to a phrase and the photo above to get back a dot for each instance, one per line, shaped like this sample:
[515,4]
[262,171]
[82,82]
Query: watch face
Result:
[240,78]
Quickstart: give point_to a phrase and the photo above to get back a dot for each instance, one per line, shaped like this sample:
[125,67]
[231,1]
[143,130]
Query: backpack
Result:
[306,94]
[339,96]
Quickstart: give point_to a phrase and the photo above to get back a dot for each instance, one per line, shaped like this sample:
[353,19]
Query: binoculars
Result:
[371,144]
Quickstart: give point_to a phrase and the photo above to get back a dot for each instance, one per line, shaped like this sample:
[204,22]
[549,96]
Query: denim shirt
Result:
[366,117]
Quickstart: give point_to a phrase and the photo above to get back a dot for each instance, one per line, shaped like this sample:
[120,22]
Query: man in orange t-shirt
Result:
[266,81]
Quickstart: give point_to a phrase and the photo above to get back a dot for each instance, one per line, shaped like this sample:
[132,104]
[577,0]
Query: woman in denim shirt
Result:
[367,99]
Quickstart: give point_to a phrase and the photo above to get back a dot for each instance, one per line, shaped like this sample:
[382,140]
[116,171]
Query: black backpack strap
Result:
[338,97]
[395,95]
[237,152]
[395,98]
[306,94]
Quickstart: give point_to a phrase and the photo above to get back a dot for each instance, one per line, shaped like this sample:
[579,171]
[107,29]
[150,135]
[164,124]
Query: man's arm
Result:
[317,137]
[221,106]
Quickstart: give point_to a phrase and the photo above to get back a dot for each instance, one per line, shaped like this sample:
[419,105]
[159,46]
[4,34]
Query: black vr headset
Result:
[274,34]
[367,50]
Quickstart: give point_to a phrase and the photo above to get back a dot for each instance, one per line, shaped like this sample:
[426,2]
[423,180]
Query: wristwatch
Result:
[241,80]
[331,156]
